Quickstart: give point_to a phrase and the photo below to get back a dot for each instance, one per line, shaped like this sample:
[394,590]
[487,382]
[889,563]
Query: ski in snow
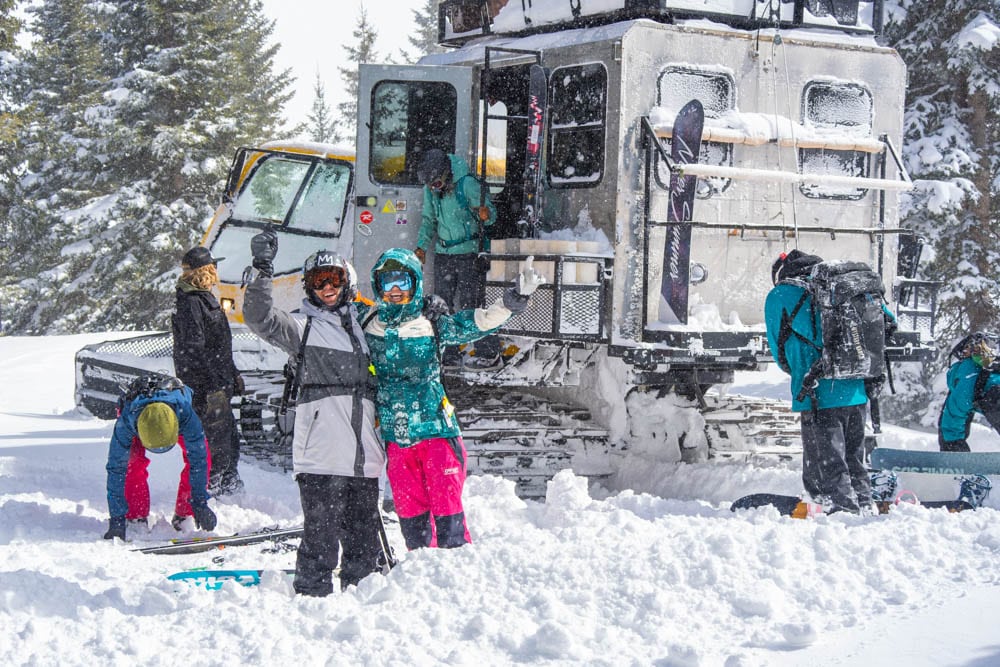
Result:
[200,544]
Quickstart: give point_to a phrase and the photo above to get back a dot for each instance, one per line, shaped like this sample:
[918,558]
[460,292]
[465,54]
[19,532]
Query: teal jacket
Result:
[800,355]
[454,215]
[404,347]
[960,405]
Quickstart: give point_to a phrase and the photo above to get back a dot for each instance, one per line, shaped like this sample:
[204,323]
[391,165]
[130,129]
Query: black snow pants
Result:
[217,419]
[833,457]
[338,511]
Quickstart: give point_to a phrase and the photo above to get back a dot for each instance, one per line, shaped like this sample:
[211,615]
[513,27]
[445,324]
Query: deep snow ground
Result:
[665,577]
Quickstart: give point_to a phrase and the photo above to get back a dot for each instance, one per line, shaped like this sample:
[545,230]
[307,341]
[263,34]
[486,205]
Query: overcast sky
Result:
[312,33]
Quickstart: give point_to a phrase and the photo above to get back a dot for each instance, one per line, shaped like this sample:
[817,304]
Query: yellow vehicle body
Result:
[248,165]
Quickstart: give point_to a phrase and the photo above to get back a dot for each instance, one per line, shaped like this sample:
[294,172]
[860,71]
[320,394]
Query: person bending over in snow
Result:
[337,456]
[406,331]
[154,414]
[973,386]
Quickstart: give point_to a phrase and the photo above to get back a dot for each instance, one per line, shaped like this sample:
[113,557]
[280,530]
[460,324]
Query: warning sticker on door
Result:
[389,207]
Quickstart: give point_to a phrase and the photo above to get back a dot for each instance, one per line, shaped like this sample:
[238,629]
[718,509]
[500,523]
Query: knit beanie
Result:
[157,426]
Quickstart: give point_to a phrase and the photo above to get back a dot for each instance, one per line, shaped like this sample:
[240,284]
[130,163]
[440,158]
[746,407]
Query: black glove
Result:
[239,386]
[204,517]
[116,528]
[435,307]
[216,407]
[514,301]
[264,247]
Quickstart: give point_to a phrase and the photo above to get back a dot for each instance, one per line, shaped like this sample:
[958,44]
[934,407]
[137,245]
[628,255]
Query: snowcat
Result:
[573,114]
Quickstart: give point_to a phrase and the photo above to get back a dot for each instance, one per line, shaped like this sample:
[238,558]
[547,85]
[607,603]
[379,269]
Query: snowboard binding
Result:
[974,489]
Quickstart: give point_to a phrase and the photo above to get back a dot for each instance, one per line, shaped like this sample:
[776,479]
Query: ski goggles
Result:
[437,185]
[395,278]
[317,278]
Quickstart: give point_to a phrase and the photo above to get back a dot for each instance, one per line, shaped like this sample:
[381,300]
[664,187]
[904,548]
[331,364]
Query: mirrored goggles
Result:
[398,278]
[317,278]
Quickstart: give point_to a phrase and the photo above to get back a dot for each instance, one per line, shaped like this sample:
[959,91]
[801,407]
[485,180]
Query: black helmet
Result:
[326,266]
[434,165]
[792,264]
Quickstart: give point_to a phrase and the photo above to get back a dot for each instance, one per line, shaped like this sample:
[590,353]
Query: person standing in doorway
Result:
[456,212]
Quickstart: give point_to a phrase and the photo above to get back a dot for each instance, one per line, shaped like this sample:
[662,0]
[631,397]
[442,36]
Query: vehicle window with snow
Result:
[837,113]
[577,116]
[271,190]
[321,206]
[717,93]
[407,118]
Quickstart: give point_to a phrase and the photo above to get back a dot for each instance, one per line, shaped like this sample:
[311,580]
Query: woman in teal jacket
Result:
[833,468]
[973,386]
[426,456]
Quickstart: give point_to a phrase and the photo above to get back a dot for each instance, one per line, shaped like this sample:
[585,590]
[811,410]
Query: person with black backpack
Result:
[456,209]
[832,408]
[973,386]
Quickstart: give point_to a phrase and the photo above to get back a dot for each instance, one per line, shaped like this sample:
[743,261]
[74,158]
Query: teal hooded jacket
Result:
[405,349]
[454,214]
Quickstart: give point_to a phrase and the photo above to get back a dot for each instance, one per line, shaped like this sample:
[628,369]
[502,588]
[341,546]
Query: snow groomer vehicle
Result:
[654,157]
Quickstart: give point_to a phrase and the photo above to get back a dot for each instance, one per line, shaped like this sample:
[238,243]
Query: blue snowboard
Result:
[940,463]
[214,579]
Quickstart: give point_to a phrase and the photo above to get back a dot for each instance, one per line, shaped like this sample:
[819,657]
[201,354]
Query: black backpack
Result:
[851,299]
[147,385]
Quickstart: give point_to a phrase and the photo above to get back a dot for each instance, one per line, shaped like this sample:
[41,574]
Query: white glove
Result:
[529,280]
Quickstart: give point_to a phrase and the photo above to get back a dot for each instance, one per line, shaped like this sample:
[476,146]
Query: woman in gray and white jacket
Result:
[337,455]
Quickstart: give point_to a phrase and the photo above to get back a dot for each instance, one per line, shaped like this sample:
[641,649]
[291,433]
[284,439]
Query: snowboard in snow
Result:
[213,580]
[200,544]
[537,108]
[794,506]
[941,463]
[684,148]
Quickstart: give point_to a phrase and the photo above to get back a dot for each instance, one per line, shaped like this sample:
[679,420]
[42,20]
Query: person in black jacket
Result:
[203,360]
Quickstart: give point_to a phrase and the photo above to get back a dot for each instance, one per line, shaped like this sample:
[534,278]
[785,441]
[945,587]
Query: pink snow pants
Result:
[427,480]
[137,482]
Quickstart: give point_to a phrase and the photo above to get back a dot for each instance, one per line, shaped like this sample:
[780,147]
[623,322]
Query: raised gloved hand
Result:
[264,248]
[204,517]
[435,307]
[239,386]
[116,528]
[421,254]
[529,280]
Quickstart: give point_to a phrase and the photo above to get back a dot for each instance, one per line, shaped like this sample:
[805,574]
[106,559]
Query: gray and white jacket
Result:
[335,413]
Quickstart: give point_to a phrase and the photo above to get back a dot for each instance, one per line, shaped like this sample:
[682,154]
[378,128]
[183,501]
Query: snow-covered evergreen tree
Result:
[424,38]
[363,51]
[320,125]
[951,149]
[182,84]
[10,27]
